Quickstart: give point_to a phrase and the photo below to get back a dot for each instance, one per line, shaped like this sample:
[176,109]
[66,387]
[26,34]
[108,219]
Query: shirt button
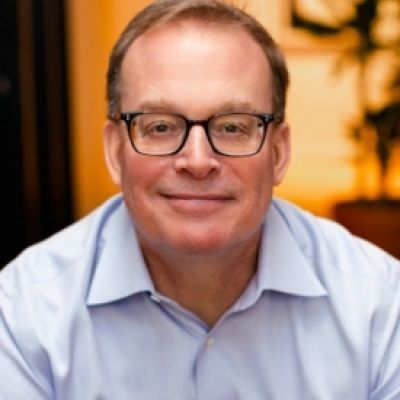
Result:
[155,298]
[210,342]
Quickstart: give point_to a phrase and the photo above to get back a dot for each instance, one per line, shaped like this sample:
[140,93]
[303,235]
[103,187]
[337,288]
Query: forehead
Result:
[196,58]
[177,34]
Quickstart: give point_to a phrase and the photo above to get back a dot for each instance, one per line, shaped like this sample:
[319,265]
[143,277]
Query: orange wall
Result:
[319,106]
[93,26]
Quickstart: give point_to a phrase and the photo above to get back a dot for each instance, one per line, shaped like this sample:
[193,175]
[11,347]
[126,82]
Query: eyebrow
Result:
[237,106]
[159,105]
[225,107]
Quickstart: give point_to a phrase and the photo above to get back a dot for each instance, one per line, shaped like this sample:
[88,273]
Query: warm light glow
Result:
[320,106]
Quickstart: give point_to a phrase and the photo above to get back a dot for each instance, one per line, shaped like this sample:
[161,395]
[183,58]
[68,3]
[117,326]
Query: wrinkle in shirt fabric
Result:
[80,319]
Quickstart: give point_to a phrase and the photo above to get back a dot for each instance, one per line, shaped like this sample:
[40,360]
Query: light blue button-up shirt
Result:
[80,319]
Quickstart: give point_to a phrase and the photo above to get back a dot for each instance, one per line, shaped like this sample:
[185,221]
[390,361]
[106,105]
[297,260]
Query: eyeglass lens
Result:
[231,134]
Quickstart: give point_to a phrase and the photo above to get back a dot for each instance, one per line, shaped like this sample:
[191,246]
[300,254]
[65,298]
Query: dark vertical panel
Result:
[11,199]
[53,144]
[28,122]
[56,113]
[35,160]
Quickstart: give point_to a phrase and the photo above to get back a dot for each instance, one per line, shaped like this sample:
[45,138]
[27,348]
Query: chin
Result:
[205,243]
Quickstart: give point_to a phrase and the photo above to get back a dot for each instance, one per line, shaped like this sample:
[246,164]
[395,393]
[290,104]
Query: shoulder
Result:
[44,289]
[327,244]
[42,296]
[73,247]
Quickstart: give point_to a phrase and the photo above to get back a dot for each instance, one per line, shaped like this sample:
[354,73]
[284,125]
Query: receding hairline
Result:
[229,14]
[189,23]
[192,20]
[191,11]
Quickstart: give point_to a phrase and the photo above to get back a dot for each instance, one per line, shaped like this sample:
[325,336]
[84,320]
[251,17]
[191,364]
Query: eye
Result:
[231,127]
[157,125]
[160,127]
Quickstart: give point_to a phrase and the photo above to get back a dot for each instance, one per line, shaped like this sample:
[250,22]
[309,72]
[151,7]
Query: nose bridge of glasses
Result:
[190,123]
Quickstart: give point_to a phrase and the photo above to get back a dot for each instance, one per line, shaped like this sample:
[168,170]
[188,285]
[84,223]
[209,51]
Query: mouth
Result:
[197,203]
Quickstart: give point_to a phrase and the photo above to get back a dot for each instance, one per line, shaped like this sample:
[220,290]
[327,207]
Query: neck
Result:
[205,284]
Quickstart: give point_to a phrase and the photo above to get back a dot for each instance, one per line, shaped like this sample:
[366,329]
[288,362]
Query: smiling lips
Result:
[196,203]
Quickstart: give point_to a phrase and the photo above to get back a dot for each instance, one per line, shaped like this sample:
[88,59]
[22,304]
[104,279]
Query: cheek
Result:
[133,174]
[265,181]
[136,187]
[140,174]
[262,194]
[257,183]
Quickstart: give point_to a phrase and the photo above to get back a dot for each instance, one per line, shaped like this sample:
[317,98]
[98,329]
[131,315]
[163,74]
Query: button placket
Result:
[210,341]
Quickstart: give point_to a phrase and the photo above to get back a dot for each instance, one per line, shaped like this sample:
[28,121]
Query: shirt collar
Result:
[282,266]
[120,270]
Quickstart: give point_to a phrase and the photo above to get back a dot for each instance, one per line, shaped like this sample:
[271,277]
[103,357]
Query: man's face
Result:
[196,201]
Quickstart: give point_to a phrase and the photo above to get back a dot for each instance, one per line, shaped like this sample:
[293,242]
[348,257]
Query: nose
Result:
[197,157]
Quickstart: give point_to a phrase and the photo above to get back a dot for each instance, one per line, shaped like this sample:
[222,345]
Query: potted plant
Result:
[373,28]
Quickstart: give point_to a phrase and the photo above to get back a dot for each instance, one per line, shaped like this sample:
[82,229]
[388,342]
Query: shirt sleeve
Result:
[385,344]
[23,363]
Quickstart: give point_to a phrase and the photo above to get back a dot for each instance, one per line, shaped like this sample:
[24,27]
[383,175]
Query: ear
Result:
[281,150]
[113,148]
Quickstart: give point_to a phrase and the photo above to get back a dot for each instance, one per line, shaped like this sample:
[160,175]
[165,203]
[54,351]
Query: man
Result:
[196,284]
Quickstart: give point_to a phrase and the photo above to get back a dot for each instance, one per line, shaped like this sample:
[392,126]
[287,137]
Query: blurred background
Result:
[343,107]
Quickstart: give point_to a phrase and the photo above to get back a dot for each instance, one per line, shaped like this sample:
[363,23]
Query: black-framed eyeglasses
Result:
[229,134]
